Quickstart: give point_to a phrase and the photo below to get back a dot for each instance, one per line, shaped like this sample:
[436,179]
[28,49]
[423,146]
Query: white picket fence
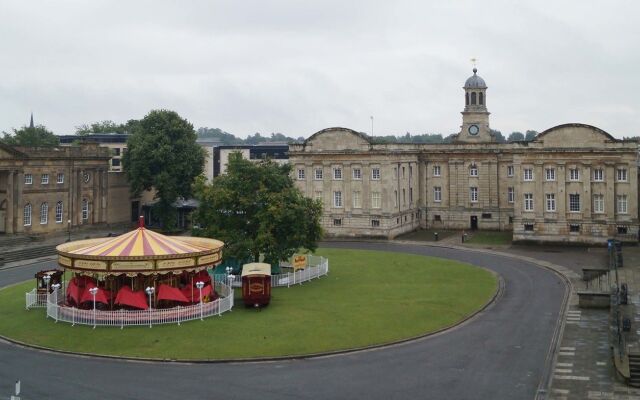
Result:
[176,315]
[35,299]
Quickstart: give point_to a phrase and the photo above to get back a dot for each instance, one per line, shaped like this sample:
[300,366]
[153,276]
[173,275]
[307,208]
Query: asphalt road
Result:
[500,354]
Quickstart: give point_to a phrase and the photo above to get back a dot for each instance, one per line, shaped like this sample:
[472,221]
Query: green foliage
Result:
[106,126]
[530,135]
[515,137]
[498,135]
[214,133]
[255,208]
[162,154]
[37,136]
[227,138]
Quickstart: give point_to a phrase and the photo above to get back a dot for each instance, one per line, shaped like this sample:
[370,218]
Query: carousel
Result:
[140,277]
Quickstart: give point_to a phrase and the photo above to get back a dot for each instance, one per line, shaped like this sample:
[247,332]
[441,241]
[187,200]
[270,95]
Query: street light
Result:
[69,230]
[94,291]
[200,285]
[150,290]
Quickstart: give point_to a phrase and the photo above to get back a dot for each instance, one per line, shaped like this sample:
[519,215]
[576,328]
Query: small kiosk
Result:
[46,279]
[256,284]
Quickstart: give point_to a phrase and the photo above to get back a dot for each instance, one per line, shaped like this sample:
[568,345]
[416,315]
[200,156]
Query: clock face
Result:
[86,177]
[473,130]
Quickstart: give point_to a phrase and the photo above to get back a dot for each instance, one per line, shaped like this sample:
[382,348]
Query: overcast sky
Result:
[297,66]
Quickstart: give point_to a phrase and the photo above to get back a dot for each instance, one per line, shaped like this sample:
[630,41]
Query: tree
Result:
[530,135]
[515,136]
[162,154]
[106,126]
[37,136]
[255,208]
[498,135]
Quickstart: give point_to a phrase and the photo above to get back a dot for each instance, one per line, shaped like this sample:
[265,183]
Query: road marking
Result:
[573,318]
[601,363]
[572,377]
[599,395]
[567,353]
[563,371]
[564,364]
[561,391]
[568,348]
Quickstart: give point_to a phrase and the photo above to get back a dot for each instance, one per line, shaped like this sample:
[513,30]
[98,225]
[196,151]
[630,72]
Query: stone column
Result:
[11,206]
[610,195]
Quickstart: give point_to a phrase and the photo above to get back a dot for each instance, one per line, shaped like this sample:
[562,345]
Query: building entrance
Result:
[474,222]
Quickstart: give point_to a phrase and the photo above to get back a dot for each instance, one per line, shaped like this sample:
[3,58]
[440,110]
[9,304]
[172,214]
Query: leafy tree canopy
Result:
[162,154]
[37,136]
[515,136]
[106,126]
[255,208]
[530,135]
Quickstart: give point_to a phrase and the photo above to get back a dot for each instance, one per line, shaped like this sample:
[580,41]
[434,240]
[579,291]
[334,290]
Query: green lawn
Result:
[490,238]
[368,298]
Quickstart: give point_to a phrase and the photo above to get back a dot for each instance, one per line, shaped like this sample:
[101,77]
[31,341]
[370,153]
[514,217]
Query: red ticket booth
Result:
[256,284]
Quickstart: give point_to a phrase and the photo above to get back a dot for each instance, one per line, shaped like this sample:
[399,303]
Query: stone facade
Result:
[573,183]
[44,190]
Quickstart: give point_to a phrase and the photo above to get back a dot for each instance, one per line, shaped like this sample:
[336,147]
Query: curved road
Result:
[500,354]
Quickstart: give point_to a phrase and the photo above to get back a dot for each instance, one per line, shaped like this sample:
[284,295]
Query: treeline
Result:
[227,138]
[439,138]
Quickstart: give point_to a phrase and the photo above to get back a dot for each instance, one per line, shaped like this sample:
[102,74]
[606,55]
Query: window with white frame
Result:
[551,202]
[528,201]
[528,174]
[318,174]
[574,174]
[621,174]
[510,195]
[337,173]
[622,203]
[356,173]
[473,194]
[85,209]
[59,209]
[550,174]
[509,170]
[357,199]
[376,200]
[318,195]
[473,170]
[27,215]
[44,213]
[598,203]
[60,178]
[598,175]
[437,194]
[337,198]
[375,173]
[28,180]
[574,202]
[44,179]
[436,170]
[300,174]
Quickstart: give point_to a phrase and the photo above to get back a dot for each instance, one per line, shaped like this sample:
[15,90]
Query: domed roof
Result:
[475,81]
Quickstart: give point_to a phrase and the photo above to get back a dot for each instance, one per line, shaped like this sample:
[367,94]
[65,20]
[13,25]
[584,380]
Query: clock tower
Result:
[475,117]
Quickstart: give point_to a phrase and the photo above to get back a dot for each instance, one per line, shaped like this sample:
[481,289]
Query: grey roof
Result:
[475,81]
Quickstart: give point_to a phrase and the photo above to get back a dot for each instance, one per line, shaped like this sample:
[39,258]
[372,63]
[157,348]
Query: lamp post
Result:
[150,290]
[94,291]
[47,279]
[68,230]
[200,285]
[55,288]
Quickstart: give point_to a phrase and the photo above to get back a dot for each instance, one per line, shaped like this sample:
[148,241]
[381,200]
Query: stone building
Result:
[115,142]
[44,190]
[572,183]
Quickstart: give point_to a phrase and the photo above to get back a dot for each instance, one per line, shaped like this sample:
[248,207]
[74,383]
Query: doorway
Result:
[474,222]
[3,216]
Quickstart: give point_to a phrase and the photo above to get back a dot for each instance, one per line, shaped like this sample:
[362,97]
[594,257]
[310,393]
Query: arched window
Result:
[85,209]
[59,212]
[27,215]
[44,213]
[480,98]
[473,97]
[466,98]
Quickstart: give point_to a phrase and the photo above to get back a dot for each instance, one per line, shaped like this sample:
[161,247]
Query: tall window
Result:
[85,209]
[509,170]
[27,215]
[404,197]
[337,173]
[528,174]
[44,179]
[376,200]
[300,174]
[598,203]
[551,202]
[528,201]
[357,200]
[337,199]
[473,194]
[574,174]
[59,212]
[574,202]
[44,213]
[510,195]
[622,204]
[436,170]
[621,174]
[410,195]
[318,174]
[28,180]
[473,97]
[375,173]
[395,198]
[60,178]
[598,175]
[318,195]
[480,98]
[357,173]
[550,174]
[473,171]
[437,194]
